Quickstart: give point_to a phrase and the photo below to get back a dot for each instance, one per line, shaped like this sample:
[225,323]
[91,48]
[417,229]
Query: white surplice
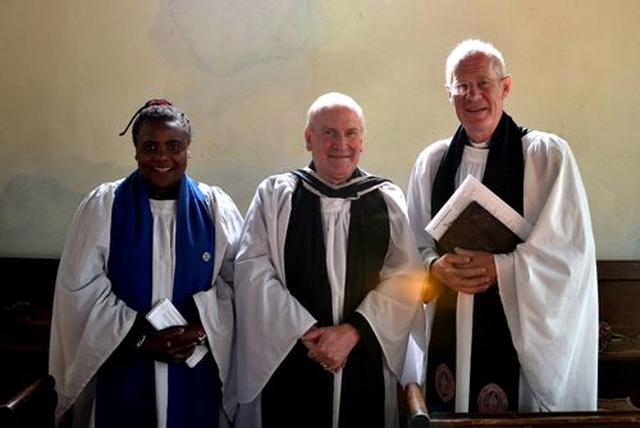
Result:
[548,285]
[270,320]
[89,321]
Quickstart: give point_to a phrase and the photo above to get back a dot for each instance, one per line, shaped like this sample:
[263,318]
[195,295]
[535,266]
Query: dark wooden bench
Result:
[622,415]
[619,296]
[25,320]
[618,368]
[32,407]
[26,299]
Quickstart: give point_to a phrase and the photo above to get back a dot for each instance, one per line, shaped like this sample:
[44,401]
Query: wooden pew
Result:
[26,299]
[25,316]
[618,367]
[33,407]
[416,407]
[420,418]
[619,296]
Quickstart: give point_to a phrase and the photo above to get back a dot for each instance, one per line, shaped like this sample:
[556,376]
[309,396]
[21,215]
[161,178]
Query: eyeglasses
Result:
[463,88]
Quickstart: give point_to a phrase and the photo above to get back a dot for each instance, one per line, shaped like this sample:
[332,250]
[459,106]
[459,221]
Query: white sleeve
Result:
[392,306]
[215,305]
[548,285]
[88,320]
[270,320]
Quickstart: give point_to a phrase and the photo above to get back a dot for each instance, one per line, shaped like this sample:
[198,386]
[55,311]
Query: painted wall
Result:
[245,71]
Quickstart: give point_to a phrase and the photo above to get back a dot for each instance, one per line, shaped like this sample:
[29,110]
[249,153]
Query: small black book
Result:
[477,229]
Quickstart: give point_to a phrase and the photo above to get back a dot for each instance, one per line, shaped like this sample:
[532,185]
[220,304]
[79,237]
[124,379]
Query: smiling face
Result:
[335,140]
[480,108]
[162,154]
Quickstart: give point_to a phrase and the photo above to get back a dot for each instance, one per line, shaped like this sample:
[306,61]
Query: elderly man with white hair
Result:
[516,331]
[328,285]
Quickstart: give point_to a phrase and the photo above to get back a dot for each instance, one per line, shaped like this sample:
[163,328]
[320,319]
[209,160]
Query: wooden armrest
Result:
[419,417]
[417,405]
[34,406]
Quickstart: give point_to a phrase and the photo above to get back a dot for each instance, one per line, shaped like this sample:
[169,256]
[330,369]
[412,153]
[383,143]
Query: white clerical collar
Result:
[481,145]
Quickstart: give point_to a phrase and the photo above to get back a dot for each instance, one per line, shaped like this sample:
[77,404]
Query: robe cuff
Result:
[134,338]
[367,336]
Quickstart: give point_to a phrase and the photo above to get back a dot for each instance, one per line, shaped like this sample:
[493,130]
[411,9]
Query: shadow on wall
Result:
[35,212]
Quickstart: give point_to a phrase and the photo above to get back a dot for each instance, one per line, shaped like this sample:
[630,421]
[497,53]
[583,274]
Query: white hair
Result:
[330,100]
[469,48]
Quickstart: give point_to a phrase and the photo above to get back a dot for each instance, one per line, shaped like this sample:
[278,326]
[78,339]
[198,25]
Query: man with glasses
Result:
[516,331]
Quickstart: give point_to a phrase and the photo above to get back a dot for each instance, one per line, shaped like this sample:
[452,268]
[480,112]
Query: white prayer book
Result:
[475,218]
[164,315]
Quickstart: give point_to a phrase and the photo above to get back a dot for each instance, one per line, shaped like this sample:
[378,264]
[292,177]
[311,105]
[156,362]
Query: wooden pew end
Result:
[32,407]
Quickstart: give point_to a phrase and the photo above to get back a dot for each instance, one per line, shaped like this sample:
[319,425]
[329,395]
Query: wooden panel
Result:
[26,298]
[619,270]
[619,294]
[27,280]
[619,297]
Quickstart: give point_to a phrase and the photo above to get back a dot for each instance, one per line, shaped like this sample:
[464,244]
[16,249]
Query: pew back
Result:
[618,369]
[619,297]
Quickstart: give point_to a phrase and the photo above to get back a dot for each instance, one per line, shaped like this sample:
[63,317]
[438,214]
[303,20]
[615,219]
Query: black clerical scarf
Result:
[300,393]
[494,362]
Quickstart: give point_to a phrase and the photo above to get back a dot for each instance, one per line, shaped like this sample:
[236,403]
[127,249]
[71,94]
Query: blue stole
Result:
[126,386]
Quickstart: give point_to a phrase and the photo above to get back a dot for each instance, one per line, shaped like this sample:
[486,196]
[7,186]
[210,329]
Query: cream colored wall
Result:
[74,71]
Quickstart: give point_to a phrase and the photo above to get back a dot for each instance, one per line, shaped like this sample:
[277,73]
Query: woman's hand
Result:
[173,344]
